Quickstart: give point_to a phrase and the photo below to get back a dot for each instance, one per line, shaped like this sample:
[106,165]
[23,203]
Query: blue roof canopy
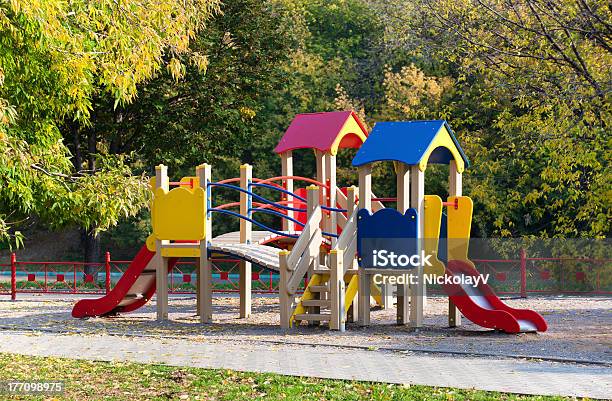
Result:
[412,143]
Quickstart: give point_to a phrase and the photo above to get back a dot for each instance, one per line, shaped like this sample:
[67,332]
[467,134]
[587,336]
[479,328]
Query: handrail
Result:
[301,244]
[347,242]
[333,209]
[305,250]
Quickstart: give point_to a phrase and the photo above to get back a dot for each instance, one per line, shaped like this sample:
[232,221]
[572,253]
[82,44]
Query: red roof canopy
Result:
[327,132]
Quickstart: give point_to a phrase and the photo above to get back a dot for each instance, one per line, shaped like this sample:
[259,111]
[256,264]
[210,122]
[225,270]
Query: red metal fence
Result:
[520,276]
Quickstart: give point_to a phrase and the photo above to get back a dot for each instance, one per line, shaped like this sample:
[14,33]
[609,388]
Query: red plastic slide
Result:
[480,304]
[133,290]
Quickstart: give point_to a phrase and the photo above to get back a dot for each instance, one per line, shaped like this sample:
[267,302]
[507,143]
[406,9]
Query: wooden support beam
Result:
[287,170]
[351,198]
[403,203]
[455,188]
[161,263]
[417,201]
[285,299]
[364,298]
[330,196]
[314,254]
[203,172]
[337,290]
[365,202]
[365,187]
[246,227]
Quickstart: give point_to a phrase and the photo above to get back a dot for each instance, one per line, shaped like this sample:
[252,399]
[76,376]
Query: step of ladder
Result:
[317,302]
[313,317]
[318,288]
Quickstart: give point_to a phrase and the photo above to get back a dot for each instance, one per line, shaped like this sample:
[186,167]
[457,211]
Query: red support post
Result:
[107,271]
[13,276]
[523,256]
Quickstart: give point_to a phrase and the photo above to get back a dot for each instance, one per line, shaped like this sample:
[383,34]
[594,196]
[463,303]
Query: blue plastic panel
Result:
[387,230]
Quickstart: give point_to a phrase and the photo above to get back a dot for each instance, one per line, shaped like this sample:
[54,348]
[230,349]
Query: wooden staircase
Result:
[315,303]
[333,285]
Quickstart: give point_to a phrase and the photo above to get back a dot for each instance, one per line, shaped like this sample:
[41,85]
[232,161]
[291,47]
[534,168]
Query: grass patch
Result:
[89,380]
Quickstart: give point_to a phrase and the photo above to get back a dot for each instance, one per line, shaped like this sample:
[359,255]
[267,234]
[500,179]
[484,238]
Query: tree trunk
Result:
[91,241]
[91,247]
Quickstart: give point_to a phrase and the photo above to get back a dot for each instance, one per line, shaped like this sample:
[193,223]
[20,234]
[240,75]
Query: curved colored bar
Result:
[258,197]
[275,213]
[333,209]
[258,224]
[258,184]
[295,178]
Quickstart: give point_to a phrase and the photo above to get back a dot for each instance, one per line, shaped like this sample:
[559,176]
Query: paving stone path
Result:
[496,374]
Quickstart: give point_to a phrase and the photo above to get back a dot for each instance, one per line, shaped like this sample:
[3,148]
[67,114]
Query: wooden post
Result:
[312,201]
[365,187]
[417,201]
[321,159]
[204,298]
[403,204]
[455,188]
[287,170]
[285,299]
[337,290]
[330,198]
[161,263]
[351,198]
[365,202]
[246,176]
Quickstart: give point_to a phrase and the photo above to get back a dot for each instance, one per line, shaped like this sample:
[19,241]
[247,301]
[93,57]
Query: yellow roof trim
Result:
[350,127]
[442,139]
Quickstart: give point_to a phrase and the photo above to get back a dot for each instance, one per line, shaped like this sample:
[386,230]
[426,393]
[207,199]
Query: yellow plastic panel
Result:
[444,140]
[433,220]
[187,180]
[179,214]
[459,226]
[151,243]
[181,252]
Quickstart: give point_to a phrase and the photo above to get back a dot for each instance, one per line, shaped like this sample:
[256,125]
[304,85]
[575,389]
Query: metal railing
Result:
[521,276]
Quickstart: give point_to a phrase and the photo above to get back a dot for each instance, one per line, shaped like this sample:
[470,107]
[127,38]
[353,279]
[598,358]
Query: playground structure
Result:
[323,230]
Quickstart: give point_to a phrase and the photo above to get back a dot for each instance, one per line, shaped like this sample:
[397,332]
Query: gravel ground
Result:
[580,328]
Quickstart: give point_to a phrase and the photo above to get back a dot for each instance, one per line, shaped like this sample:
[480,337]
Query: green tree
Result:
[531,102]
[56,57]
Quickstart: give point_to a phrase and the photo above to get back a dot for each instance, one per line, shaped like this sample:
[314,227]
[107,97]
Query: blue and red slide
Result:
[134,289]
[480,304]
